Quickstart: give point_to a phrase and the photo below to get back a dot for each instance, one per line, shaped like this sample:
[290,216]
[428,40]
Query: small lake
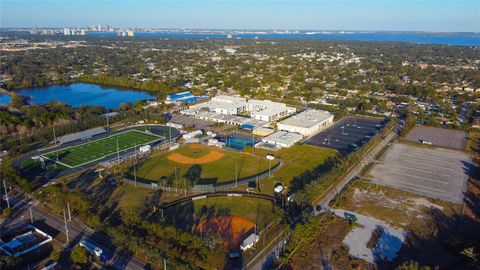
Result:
[78,94]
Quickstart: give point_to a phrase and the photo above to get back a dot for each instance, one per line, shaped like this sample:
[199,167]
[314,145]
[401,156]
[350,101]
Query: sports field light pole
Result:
[118,152]
[236,173]
[253,142]
[269,168]
[135,164]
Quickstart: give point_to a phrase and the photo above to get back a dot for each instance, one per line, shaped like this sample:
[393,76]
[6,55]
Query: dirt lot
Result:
[326,251]
[437,233]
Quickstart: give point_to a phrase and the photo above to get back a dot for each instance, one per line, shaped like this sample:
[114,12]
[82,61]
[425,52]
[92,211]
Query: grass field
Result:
[244,207]
[296,160]
[98,149]
[221,168]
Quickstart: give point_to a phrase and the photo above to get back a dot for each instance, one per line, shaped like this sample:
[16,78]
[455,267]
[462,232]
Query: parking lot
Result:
[455,139]
[434,172]
[348,134]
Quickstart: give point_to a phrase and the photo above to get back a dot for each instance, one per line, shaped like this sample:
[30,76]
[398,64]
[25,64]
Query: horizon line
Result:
[239,29]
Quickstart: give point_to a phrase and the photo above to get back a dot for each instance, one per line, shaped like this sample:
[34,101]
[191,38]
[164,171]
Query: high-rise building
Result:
[130,33]
[34,31]
[109,28]
[66,31]
[99,27]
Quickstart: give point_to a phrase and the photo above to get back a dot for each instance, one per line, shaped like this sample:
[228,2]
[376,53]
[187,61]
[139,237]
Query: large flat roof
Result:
[307,118]
[284,137]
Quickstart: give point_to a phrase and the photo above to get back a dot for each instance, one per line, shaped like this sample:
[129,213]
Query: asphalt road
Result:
[77,231]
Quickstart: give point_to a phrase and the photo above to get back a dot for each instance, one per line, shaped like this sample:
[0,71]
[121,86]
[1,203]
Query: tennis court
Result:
[348,134]
[95,150]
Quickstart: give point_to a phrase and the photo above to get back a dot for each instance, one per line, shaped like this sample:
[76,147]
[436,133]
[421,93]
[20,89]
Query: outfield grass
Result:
[218,171]
[245,207]
[296,160]
[98,149]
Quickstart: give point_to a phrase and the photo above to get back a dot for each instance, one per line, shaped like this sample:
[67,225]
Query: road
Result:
[77,231]
[260,261]
[266,259]
[369,157]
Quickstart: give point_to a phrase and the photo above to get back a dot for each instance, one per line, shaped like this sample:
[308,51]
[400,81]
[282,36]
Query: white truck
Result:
[95,250]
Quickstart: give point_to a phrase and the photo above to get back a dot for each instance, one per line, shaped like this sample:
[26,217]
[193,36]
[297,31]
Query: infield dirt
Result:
[232,229]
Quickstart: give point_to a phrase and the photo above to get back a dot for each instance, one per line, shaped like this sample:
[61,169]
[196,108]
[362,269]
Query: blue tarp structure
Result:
[247,126]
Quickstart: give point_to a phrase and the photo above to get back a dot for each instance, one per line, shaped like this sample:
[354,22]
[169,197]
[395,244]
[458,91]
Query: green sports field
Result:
[98,149]
[160,166]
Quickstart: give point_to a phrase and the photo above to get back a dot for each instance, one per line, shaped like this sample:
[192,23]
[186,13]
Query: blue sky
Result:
[406,15]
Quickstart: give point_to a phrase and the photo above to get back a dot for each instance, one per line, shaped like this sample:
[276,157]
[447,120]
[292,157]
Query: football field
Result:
[95,150]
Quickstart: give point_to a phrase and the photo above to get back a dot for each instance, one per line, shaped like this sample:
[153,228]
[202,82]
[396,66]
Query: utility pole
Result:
[170,134]
[6,193]
[108,128]
[66,228]
[164,264]
[31,215]
[69,215]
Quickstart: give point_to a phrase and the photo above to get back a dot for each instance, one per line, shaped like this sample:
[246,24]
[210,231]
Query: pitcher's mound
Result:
[233,229]
[210,157]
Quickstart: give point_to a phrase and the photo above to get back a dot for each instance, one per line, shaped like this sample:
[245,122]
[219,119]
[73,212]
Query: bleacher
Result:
[82,135]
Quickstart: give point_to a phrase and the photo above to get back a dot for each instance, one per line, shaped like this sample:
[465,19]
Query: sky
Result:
[394,15]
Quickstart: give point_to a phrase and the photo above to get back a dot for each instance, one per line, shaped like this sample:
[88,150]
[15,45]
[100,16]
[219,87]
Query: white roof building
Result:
[283,138]
[249,241]
[262,110]
[267,110]
[307,123]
